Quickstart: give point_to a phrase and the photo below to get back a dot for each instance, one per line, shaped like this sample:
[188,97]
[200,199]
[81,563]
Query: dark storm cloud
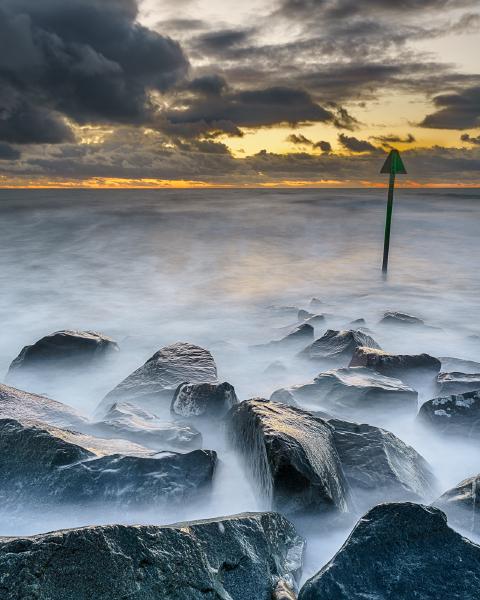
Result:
[301,140]
[394,139]
[471,140]
[455,111]
[86,59]
[7,152]
[219,41]
[355,145]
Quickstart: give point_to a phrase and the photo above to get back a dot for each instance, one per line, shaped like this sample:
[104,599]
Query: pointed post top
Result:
[394,164]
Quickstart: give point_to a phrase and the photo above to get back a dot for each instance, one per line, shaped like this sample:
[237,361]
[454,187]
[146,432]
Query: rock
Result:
[337,345]
[17,404]
[401,319]
[131,422]
[283,311]
[450,364]
[407,367]
[303,315]
[290,455]
[316,303]
[357,323]
[296,339]
[283,591]
[153,384]
[275,369]
[462,505]
[316,321]
[60,351]
[232,558]
[400,551]
[457,415]
[284,396]
[207,400]
[354,391]
[458,383]
[379,466]
[45,466]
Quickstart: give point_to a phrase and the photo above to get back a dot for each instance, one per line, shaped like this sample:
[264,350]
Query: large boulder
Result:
[60,351]
[236,558]
[153,384]
[462,505]
[338,346]
[354,392]
[401,552]
[131,422]
[378,466]
[290,455]
[458,383]
[457,415]
[407,367]
[450,364]
[44,466]
[203,400]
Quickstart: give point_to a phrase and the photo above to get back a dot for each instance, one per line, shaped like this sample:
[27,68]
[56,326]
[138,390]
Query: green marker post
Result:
[392,166]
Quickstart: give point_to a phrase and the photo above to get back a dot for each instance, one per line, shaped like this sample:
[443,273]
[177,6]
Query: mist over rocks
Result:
[153,384]
[458,383]
[450,364]
[400,319]
[60,352]
[290,456]
[131,422]
[462,505]
[400,550]
[46,466]
[203,400]
[357,392]
[241,557]
[338,346]
[456,415]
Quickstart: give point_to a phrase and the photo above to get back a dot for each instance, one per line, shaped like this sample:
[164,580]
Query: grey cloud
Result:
[355,145]
[7,152]
[394,139]
[455,111]
[470,139]
[301,140]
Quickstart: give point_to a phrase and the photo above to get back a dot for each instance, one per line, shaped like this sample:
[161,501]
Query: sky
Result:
[252,93]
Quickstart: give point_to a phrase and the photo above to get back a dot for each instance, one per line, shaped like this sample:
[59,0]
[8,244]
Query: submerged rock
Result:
[62,350]
[292,341]
[338,345]
[462,505]
[44,466]
[379,466]
[153,384]
[291,456]
[207,400]
[354,391]
[458,383]
[236,558]
[133,423]
[400,551]
[406,367]
[399,318]
[457,415]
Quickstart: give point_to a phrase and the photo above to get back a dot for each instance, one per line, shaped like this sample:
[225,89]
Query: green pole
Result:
[388,221]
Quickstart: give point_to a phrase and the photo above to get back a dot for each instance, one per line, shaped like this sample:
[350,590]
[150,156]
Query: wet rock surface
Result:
[203,400]
[240,557]
[45,466]
[450,364]
[457,415]
[338,345]
[354,392]
[153,384]
[462,505]
[400,551]
[290,455]
[458,383]
[400,319]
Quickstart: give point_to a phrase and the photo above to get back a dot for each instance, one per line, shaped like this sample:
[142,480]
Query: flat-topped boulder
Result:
[338,346]
[457,415]
[406,367]
[400,319]
[131,422]
[457,383]
[153,384]
[18,404]
[400,551]
[45,466]
[60,351]
[203,400]
[290,455]
[450,364]
[379,466]
[354,391]
[236,558]
[462,505]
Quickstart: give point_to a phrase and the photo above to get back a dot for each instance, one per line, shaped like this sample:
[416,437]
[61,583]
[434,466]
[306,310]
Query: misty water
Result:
[150,268]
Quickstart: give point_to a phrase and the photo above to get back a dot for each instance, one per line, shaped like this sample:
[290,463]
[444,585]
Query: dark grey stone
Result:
[290,455]
[241,557]
[462,505]
[400,552]
[450,364]
[458,383]
[401,319]
[457,415]
[203,400]
[153,384]
[337,346]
